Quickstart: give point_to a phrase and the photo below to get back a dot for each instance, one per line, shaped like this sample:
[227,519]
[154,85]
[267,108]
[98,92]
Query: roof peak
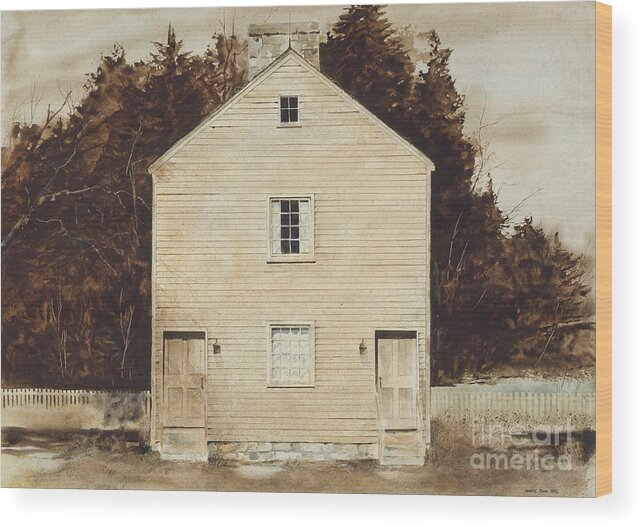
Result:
[264,74]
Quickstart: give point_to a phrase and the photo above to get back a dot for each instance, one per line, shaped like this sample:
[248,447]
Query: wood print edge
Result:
[603,249]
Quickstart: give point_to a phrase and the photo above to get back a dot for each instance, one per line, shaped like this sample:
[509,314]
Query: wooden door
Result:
[397,382]
[184,379]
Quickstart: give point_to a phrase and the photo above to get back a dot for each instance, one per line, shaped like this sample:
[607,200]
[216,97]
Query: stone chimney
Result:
[266,42]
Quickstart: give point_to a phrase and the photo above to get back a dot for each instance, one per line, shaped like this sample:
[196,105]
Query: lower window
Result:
[291,355]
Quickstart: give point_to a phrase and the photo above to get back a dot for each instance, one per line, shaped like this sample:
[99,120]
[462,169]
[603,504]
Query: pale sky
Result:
[531,65]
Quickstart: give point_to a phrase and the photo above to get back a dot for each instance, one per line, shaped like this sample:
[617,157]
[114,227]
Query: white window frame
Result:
[289,124]
[311,333]
[290,257]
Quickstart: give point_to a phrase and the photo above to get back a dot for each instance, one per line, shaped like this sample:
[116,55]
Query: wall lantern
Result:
[216,348]
[362,348]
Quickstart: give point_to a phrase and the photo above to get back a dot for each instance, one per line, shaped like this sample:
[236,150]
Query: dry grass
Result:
[111,461]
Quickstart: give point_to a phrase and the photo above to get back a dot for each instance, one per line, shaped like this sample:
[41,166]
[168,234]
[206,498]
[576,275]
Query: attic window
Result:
[289,109]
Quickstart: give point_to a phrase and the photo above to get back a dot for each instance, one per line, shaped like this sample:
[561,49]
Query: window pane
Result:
[290,356]
[303,227]
[275,225]
[290,226]
[289,109]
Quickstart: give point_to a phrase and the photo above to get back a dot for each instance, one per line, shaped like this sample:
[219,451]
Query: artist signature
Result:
[541,491]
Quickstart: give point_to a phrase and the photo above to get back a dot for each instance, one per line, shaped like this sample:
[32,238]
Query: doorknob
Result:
[380,382]
[202,381]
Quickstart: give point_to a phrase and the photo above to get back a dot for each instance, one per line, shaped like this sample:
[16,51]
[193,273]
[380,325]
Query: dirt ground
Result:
[106,461]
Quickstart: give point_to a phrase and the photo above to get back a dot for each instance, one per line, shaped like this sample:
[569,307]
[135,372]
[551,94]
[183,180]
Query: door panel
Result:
[174,348]
[194,404]
[397,380]
[175,403]
[386,403]
[195,357]
[183,380]
[405,401]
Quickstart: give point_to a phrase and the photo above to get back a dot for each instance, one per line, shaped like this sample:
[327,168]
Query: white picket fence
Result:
[54,408]
[461,405]
[72,408]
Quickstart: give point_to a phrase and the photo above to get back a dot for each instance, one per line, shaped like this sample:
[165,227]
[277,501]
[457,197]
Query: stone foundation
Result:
[287,452]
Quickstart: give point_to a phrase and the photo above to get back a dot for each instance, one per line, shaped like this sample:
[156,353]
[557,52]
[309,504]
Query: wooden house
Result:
[291,280]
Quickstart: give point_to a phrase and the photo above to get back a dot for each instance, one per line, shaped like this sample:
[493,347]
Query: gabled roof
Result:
[263,75]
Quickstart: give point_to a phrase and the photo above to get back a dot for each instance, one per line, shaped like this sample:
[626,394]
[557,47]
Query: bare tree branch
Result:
[517,206]
[479,299]
[34,100]
[129,171]
[42,197]
[453,236]
[56,315]
[482,141]
[77,239]
[125,323]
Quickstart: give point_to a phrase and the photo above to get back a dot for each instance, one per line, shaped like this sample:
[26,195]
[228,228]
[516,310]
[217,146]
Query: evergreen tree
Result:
[437,113]
[467,225]
[365,57]
[173,102]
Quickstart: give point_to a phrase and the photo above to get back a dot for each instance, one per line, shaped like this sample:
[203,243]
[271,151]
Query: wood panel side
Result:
[603,249]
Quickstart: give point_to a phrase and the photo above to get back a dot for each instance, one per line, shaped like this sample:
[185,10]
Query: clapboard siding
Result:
[211,271]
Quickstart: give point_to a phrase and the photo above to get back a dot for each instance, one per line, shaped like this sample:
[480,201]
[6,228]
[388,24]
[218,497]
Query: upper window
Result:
[291,227]
[289,109]
[291,360]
